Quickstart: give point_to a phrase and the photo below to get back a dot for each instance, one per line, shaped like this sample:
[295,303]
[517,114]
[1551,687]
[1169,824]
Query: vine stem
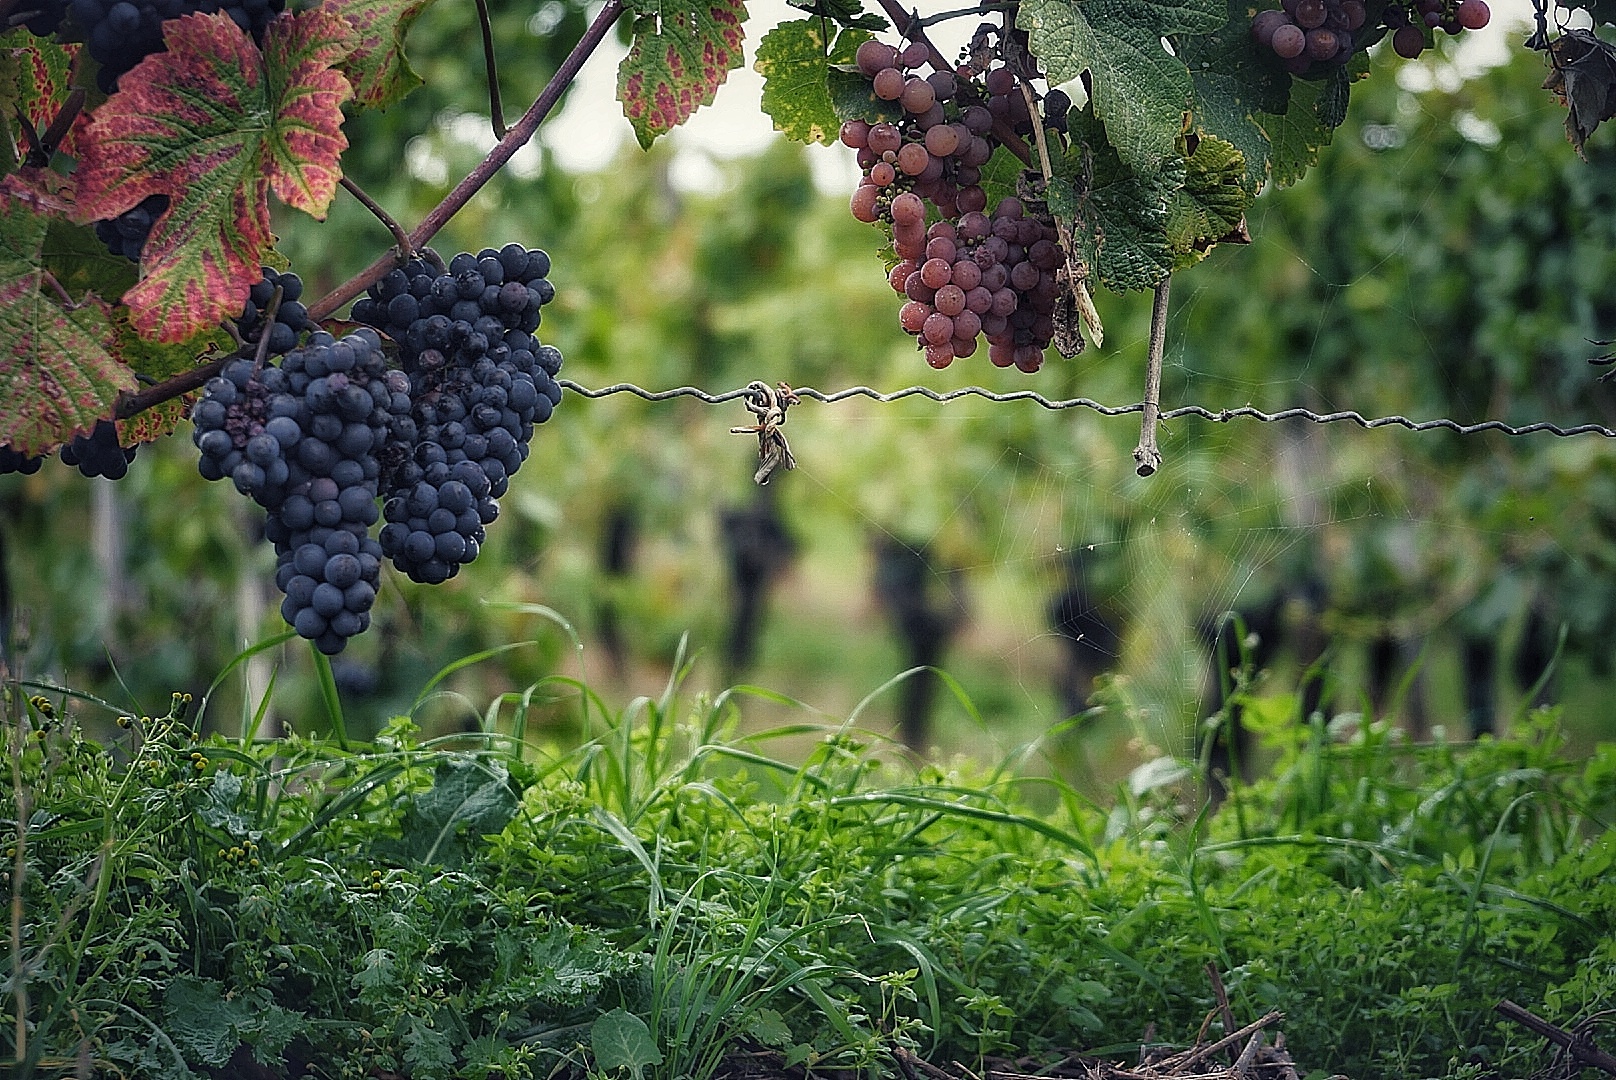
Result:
[399,235]
[63,122]
[185,382]
[1147,456]
[960,13]
[495,112]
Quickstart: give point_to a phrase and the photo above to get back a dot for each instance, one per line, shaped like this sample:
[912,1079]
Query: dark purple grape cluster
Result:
[12,461]
[45,16]
[320,437]
[126,234]
[304,440]
[121,33]
[975,271]
[1313,36]
[479,382]
[291,316]
[98,453]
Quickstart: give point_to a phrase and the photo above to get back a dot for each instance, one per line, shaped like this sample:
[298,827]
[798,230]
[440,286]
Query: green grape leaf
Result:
[794,63]
[216,125]
[78,259]
[1001,176]
[1296,135]
[1140,89]
[58,373]
[1234,83]
[1211,206]
[853,97]
[849,13]
[1119,217]
[378,69]
[1333,95]
[680,56]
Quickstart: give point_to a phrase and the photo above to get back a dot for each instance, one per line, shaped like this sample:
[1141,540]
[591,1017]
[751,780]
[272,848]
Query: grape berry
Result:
[11,461]
[291,317]
[126,234]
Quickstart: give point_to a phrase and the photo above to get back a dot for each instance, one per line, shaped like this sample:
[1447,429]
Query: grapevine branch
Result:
[960,13]
[1147,456]
[474,181]
[60,125]
[184,383]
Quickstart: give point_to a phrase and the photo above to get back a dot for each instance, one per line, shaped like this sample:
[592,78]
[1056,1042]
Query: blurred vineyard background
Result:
[1450,256]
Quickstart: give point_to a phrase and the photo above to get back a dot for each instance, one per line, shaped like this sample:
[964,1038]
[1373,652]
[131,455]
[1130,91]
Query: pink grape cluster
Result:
[1411,22]
[973,272]
[1313,36]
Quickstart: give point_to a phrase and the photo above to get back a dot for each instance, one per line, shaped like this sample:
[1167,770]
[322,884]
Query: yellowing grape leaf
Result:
[683,51]
[794,63]
[58,374]
[216,125]
[1211,206]
[1233,83]
[1298,134]
[377,67]
[1141,90]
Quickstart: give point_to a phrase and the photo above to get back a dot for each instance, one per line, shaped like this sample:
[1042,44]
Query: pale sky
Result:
[591,129]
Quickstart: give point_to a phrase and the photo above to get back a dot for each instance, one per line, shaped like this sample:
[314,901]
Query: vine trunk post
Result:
[1147,456]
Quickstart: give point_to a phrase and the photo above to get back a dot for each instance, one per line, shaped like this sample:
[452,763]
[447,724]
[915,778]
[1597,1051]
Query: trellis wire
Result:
[1214,415]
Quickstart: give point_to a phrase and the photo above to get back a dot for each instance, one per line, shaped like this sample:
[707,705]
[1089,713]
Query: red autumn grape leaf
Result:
[215,125]
[34,83]
[682,53]
[58,374]
[377,68]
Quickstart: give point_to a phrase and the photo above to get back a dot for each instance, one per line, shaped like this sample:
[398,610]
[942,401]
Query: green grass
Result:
[667,889]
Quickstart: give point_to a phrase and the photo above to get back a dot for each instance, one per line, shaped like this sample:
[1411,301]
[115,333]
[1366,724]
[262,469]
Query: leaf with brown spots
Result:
[682,53]
[38,73]
[58,374]
[380,73]
[216,125]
